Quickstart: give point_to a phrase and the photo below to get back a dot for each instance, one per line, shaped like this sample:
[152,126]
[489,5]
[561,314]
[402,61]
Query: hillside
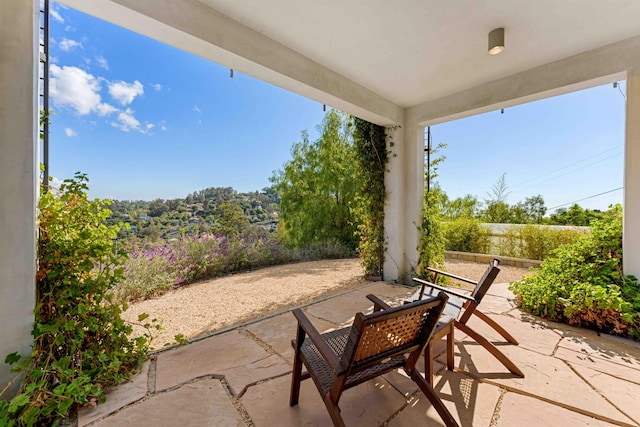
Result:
[217,209]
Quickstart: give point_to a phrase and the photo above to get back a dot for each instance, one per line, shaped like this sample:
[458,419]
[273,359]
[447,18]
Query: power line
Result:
[569,165]
[586,198]
[569,172]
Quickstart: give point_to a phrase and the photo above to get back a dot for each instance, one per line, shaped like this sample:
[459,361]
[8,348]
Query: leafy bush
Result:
[466,234]
[582,283]
[534,241]
[432,239]
[153,269]
[81,344]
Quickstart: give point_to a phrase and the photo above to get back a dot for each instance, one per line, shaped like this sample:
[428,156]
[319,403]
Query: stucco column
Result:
[18,175]
[404,182]
[393,211]
[631,214]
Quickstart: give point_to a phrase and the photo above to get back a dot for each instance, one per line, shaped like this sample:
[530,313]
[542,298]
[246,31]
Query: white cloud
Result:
[126,121]
[75,88]
[162,125]
[70,132]
[56,15]
[68,44]
[157,87]
[104,109]
[124,92]
[102,62]
[196,109]
[150,126]
[69,29]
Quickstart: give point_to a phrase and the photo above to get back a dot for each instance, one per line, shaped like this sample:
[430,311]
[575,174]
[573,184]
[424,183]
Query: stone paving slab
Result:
[545,376]
[123,395]
[607,348]
[593,361]
[470,402]
[368,404]
[522,411]
[341,309]
[278,332]
[212,356]
[623,394]
[204,403]
[530,335]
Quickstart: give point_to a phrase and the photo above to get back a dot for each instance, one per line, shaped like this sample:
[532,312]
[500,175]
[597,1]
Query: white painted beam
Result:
[194,27]
[588,69]
[631,214]
[18,173]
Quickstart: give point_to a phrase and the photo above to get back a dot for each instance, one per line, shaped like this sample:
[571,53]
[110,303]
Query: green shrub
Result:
[151,270]
[81,345]
[582,283]
[534,241]
[466,234]
[432,239]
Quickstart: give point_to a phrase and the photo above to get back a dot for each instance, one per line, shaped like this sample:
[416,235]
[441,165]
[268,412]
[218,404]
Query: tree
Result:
[232,220]
[497,209]
[157,207]
[499,191]
[461,207]
[317,187]
[575,215]
[534,209]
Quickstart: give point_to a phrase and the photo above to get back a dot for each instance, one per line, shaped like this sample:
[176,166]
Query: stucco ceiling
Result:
[415,51]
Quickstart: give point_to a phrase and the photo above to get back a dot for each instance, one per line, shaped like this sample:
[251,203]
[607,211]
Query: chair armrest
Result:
[327,353]
[449,291]
[378,304]
[453,276]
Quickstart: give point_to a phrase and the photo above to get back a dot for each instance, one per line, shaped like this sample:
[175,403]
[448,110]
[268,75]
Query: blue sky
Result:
[145,120]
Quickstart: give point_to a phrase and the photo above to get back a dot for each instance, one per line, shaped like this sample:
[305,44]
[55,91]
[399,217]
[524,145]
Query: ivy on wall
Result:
[370,143]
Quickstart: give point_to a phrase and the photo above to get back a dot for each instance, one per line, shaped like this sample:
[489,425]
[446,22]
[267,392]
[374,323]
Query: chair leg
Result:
[334,411]
[428,363]
[499,329]
[296,375]
[433,397]
[491,348]
[450,348]
[295,380]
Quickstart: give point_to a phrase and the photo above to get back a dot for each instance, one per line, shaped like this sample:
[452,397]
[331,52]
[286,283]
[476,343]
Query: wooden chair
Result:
[459,309]
[374,345]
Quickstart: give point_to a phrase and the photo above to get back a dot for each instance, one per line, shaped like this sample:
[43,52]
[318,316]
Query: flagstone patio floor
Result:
[241,377]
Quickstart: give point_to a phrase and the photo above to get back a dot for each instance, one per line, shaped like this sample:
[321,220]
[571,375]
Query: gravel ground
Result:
[211,305]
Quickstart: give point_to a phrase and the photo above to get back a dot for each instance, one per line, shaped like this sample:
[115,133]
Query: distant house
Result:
[144,217]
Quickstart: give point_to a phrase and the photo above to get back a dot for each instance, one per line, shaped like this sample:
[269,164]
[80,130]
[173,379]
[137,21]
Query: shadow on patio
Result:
[241,377]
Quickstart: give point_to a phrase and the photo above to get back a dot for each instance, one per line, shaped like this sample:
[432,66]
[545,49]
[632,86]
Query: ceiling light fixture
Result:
[496,41]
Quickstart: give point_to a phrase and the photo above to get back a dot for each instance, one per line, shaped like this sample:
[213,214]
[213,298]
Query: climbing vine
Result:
[81,344]
[370,143]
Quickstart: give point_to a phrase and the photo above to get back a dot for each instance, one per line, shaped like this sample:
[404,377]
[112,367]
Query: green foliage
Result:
[318,186]
[232,220]
[575,215]
[466,234]
[153,269]
[81,344]
[461,207]
[534,241]
[582,283]
[371,157]
[432,243]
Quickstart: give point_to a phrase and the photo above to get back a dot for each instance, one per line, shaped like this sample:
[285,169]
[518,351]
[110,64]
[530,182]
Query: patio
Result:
[241,376]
